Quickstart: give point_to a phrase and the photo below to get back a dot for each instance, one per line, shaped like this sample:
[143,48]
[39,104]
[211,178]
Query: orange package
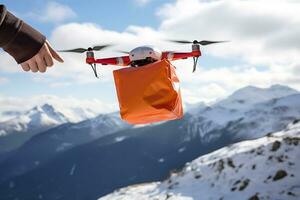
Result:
[149,93]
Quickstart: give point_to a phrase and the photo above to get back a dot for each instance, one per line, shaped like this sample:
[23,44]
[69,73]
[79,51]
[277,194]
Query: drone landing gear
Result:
[195,59]
[94,67]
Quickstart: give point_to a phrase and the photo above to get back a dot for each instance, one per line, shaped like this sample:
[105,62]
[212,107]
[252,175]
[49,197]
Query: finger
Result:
[33,66]
[47,55]
[41,64]
[25,67]
[54,54]
[49,61]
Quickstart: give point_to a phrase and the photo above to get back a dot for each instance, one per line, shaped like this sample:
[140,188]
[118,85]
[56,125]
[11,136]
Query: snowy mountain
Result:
[45,146]
[41,117]
[251,95]
[265,168]
[139,154]
[17,130]
[248,113]
[32,120]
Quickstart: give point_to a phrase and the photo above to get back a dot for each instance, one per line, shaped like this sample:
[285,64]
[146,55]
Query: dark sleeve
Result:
[17,38]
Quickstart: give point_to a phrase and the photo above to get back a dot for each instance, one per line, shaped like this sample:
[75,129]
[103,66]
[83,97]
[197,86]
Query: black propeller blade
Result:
[180,41]
[82,50]
[78,50]
[206,42]
[202,42]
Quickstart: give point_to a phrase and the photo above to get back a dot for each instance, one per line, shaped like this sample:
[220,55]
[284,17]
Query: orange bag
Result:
[149,93]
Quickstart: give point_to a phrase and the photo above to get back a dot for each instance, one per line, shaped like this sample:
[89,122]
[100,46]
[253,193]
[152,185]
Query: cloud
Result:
[74,68]
[263,34]
[54,12]
[11,103]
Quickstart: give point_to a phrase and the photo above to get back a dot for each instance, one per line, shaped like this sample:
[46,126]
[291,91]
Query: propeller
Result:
[202,42]
[82,50]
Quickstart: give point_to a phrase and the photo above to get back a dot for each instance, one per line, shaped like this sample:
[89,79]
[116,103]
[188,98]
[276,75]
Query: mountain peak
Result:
[251,95]
[282,88]
[43,109]
[47,107]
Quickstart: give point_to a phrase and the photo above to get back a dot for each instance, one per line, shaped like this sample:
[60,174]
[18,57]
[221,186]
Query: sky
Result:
[263,50]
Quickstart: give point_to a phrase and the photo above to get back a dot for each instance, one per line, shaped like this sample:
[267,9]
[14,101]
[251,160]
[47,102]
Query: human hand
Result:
[42,60]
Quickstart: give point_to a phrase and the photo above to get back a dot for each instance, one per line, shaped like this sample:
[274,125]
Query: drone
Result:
[147,87]
[142,55]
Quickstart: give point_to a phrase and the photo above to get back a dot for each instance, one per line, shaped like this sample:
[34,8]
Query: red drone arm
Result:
[180,55]
[120,61]
[125,60]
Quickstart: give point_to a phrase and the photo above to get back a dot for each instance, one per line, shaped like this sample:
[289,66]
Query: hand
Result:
[42,60]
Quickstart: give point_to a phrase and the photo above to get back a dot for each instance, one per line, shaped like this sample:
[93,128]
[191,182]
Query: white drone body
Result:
[145,52]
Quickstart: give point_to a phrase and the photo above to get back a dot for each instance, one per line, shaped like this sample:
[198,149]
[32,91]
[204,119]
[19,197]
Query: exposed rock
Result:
[280,174]
[197,176]
[292,140]
[220,166]
[276,145]
[237,182]
[244,184]
[296,121]
[280,158]
[254,197]
[230,163]
[291,194]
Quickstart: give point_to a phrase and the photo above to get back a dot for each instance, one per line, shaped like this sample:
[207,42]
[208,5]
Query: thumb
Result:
[54,54]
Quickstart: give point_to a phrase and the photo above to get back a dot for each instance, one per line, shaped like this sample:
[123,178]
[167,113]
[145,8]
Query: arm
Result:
[17,38]
[28,46]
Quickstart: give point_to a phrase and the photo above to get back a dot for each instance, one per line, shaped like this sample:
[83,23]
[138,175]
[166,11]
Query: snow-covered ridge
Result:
[250,112]
[42,117]
[265,168]
[251,95]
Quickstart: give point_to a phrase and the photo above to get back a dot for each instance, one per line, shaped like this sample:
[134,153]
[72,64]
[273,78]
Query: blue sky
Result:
[258,31]
[113,15]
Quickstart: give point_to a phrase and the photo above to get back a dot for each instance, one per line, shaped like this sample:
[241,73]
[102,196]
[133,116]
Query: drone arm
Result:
[180,55]
[120,61]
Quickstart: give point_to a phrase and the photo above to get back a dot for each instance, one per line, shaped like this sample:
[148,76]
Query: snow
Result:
[64,146]
[255,111]
[251,95]
[267,168]
[120,139]
[245,103]
[33,119]
[72,169]
[3,133]
[181,150]
[47,116]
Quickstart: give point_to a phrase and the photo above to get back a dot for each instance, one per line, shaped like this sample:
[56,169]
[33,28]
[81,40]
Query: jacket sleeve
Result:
[17,38]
